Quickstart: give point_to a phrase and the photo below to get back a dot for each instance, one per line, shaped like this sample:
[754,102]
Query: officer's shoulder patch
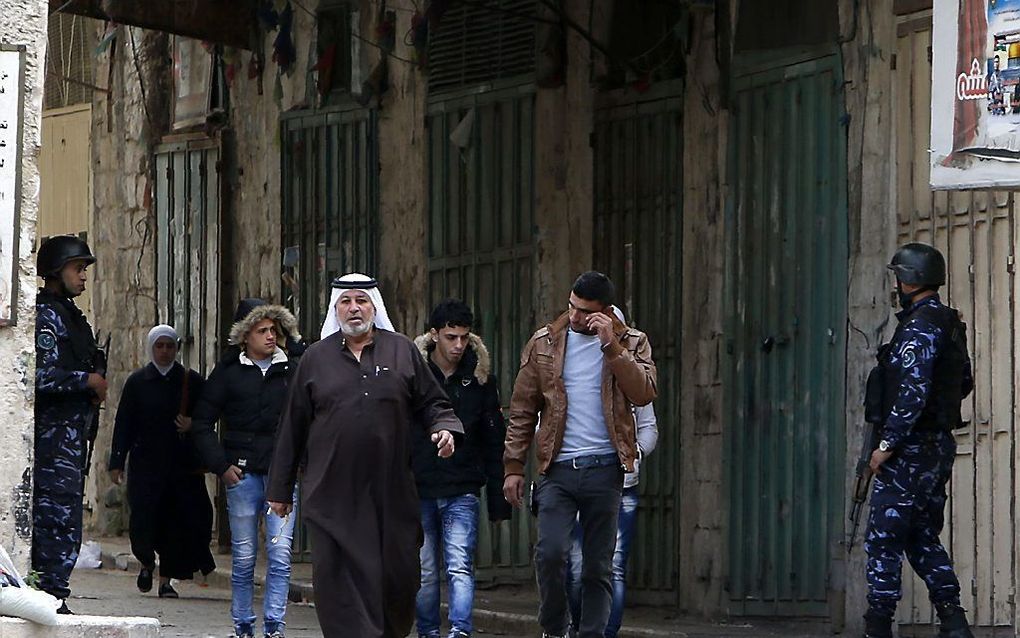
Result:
[46,340]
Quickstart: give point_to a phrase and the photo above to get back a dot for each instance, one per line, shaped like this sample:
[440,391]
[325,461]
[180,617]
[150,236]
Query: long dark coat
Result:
[170,510]
[351,422]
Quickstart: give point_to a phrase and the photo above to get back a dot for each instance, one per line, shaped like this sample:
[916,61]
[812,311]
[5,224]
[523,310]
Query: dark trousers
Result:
[594,493]
[56,539]
[171,516]
[57,497]
[908,502]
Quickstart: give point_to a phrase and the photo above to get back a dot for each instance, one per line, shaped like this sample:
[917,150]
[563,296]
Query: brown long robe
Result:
[350,420]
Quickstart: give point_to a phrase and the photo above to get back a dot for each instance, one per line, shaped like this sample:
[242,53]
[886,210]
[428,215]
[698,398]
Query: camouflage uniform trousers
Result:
[907,514]
[57,496]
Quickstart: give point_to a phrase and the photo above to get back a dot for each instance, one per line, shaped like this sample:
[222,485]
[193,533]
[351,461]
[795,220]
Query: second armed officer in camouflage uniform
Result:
[68,391]
[925,375]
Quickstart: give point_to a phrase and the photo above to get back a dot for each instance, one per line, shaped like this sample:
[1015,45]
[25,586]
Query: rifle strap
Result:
[185,393]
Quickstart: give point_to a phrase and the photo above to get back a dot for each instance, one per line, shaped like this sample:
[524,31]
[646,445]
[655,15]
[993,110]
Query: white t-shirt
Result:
[585,432]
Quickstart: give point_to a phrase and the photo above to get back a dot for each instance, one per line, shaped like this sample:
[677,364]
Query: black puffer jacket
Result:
[478,459]
[248,406]
[246,402]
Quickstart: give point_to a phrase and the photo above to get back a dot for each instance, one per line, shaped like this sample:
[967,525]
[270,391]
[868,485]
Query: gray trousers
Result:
[565,492]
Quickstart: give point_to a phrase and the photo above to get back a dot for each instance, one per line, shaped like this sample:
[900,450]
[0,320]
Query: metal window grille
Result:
[330,205]
[479,42]
[69,60]
[638,171]
[187,204]
[480,249]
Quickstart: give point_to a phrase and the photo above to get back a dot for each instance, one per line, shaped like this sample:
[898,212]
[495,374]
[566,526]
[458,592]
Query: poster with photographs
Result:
[12,64]
[975,111]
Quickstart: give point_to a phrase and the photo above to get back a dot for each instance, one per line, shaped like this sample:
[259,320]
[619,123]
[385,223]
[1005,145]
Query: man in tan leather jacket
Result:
[583,373]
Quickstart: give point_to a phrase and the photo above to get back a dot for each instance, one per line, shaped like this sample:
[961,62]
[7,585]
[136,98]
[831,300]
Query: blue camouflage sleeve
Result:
[915,354]
[50,336]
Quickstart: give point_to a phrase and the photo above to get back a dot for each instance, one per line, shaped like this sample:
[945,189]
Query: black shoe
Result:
[64,610]
[877,625]
[167,591]
[144,581]
[952,621]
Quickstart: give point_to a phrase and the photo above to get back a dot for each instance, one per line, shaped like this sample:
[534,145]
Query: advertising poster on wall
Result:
[975,123]
[12,61]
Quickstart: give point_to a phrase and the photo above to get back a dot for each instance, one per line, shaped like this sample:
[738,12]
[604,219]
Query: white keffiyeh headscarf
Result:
[364,283]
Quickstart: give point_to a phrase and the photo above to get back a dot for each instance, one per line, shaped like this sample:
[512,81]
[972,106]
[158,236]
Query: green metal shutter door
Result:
[638,213]
[786,272]
[330,204]
[480,249]
[330,192]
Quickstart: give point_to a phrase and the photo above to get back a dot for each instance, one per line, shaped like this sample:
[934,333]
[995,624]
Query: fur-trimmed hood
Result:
[483,368]
[279,314]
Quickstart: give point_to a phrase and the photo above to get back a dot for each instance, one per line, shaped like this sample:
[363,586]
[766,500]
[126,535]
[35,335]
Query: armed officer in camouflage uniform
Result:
[926,374]
[68,391]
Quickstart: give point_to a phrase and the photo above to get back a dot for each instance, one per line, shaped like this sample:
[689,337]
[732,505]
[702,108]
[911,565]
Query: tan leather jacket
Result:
[628,378]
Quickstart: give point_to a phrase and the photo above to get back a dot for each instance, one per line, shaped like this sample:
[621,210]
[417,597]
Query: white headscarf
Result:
[364,283]
[160,331]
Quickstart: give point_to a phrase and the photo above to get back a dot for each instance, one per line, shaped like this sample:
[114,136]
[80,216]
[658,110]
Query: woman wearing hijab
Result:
[171,515]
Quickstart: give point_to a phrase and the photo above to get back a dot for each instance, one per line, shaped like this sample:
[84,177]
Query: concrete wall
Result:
[564,211]
[870,31]
[24,23]
[701,497]
[403,187]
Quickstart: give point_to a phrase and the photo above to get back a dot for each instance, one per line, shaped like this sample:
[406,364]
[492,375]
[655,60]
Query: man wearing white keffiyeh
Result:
[366,284]
[354,400]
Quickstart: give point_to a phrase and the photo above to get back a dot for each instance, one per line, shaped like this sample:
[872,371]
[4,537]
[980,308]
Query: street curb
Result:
[302,591]
[505,621]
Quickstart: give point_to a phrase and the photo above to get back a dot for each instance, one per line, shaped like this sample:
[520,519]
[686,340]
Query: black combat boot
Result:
[877,625]
[952,621]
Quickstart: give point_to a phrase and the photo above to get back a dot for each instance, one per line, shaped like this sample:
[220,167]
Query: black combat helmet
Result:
[55,252]
[919,264]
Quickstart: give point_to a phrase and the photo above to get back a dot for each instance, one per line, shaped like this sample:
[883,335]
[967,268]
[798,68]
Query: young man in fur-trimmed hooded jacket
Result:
[449,487]
[246,393]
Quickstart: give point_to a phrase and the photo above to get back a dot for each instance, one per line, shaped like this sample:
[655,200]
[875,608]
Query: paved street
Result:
[200,612]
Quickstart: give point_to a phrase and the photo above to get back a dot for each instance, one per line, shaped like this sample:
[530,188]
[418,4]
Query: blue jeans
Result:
[246,505]
[453,524]
[624,534]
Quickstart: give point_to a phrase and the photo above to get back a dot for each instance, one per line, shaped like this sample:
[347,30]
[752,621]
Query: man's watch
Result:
[884,446]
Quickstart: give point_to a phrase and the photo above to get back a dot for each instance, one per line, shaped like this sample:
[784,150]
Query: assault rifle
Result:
[874,415]
[102,360]
[862,485]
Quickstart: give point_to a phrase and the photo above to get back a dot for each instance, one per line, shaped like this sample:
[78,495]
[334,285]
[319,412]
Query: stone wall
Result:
[24,23]
[125,130]
[254,210]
